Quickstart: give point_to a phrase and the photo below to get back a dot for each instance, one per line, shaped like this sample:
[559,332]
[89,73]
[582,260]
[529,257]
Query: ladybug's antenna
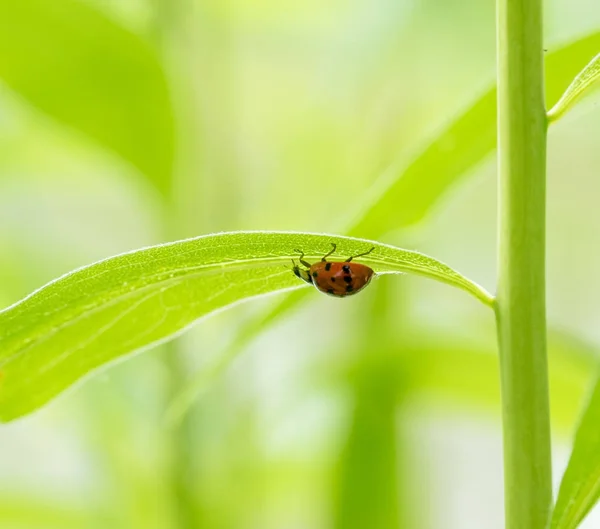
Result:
[359,255]
[301,258]
[324,258]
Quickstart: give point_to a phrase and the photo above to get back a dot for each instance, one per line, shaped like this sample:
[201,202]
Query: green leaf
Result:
[123,304]
[408,190]
[78,66]
[580,486]
[583,80]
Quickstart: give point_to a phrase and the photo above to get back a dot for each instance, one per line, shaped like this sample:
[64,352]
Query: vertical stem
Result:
[181,471]
[369,492]
[520,309]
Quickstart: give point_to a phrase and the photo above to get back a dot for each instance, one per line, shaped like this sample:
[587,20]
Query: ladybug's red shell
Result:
[340,279]
[336,278]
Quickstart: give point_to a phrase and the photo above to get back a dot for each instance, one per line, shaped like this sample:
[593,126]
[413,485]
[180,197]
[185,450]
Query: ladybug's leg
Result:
[324,258]
[359,255]
[296,269]
[302,261]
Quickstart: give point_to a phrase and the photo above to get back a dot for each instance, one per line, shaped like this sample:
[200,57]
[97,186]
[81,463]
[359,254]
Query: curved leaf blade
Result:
[580,485]
[563,64]
[405,193]
[132,301]
[75,64]
[408,190]
[583,80]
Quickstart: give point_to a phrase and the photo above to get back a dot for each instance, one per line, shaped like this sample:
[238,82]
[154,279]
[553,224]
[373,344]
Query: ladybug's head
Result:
[302,273]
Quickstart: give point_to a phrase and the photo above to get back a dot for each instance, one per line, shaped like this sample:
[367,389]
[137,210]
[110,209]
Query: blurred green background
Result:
[125,123]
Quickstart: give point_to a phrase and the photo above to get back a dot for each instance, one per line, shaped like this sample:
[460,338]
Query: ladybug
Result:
[339,279]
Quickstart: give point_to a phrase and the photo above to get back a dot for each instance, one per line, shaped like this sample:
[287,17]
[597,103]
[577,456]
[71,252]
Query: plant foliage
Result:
[129,302]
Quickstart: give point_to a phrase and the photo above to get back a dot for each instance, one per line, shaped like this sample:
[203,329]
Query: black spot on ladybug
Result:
[315,274]
[327,267]
[330,291]
[346,269]
[333,279]
[349,288]
[348,279]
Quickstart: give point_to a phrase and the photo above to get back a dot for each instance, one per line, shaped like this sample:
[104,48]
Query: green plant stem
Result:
[520,306]
[181,468]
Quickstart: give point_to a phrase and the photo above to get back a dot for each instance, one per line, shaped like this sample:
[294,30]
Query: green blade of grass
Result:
[129,302]
[408,190]
[580,485]
[76,65]
[583,80]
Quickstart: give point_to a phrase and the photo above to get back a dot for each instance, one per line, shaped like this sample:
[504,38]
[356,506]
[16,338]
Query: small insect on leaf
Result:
[336,278]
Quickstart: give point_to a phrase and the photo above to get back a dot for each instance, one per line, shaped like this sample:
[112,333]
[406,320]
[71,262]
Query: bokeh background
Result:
[378,412]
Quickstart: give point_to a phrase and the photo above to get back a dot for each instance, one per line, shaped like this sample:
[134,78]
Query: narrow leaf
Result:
[407,190]
[123,304]
[584,79]
[411,186]
[84,70]
[580,486]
